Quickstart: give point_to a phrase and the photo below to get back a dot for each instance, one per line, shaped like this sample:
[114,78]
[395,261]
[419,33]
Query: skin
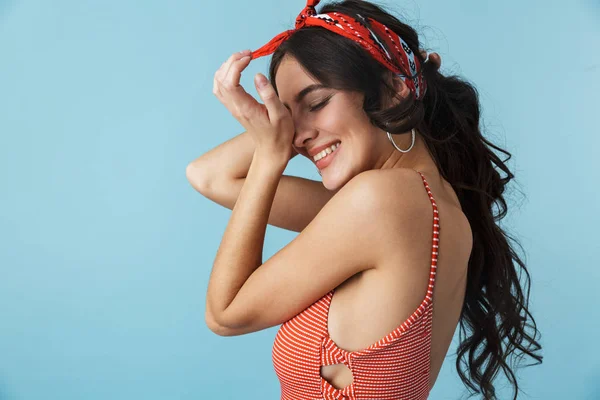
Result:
[364,146]
[375,260]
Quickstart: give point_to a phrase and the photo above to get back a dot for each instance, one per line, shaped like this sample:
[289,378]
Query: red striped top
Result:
[395,367]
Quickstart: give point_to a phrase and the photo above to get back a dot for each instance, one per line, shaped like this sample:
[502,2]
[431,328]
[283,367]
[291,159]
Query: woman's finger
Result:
[223,70]
[232,79]
[436,59]
[220,74]
[227,64]
[433,58]
[240,103]
[275,108]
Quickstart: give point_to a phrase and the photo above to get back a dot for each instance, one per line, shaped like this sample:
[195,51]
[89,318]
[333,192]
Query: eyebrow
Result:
[305,91]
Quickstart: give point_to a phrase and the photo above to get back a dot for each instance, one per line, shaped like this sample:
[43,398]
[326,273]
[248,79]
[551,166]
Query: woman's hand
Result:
[433,57]
[270,124]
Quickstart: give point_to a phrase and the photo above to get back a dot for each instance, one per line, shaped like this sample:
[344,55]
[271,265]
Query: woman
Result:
[401,228]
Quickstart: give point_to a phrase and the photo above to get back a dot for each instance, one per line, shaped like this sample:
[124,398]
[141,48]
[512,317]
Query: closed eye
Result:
[320,105]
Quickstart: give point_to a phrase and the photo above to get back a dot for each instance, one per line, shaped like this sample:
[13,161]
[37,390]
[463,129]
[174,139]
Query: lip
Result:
[324,162]
[313,152]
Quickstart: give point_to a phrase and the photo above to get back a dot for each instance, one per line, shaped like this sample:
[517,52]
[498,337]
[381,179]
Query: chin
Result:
[333,183]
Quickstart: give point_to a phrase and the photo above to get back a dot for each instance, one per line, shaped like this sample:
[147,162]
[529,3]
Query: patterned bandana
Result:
[369,38]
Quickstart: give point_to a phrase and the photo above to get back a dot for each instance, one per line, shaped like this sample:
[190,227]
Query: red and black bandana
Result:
[402,62]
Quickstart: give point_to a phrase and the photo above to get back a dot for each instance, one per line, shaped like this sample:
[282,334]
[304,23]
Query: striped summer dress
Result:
[395,367]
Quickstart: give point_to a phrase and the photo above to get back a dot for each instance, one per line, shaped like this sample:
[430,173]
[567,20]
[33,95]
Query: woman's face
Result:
[326,117]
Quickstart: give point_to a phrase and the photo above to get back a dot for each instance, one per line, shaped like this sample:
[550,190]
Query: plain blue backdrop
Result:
[106,250]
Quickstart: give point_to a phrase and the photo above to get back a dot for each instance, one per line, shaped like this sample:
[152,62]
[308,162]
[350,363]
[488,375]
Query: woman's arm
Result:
[240,252]
[220,173]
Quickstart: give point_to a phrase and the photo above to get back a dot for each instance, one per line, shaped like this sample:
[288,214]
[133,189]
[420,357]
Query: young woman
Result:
[401,228]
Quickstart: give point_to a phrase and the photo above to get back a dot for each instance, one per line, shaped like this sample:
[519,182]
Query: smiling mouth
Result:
[324,162]
[327,152]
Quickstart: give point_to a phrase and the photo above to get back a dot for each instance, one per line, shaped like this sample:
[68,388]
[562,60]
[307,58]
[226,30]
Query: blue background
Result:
[106,250]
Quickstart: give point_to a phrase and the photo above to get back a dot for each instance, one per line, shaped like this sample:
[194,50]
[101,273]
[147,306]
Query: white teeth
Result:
[327,151]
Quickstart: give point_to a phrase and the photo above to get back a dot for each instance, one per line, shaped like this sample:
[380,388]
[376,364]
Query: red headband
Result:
[369,38]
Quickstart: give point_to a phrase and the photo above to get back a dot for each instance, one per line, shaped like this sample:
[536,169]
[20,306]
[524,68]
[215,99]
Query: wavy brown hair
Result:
[494,318]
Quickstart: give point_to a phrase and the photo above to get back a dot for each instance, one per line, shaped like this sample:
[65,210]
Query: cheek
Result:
[336,120]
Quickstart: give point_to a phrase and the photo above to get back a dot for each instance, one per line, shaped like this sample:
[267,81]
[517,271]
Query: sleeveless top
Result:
[395,367]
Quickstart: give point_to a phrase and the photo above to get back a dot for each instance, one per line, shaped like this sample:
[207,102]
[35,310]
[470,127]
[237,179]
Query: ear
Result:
[401,91]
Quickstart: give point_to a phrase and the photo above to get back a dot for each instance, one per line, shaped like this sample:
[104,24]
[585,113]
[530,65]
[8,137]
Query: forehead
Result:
[291,78]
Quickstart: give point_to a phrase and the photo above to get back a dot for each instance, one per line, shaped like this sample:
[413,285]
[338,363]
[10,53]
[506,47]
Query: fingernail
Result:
[245,51]
[261,81]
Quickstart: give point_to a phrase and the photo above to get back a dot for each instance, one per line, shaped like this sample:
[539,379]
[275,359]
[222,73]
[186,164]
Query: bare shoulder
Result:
[402,216]
[396,202]
[402,200]
[399,190]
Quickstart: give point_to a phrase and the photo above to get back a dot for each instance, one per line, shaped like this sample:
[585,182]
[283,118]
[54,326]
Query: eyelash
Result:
[320,105]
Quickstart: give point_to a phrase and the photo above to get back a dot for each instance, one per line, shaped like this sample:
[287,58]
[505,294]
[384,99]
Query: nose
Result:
[304,134]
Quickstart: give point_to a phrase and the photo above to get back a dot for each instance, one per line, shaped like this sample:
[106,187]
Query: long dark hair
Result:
[495,308]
